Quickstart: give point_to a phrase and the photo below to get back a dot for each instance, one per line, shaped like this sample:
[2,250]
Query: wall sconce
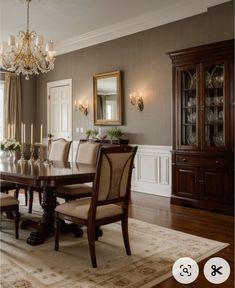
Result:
[137,101]
[81,106]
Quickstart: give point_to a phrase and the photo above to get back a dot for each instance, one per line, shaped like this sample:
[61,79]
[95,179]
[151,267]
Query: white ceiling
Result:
[74,24]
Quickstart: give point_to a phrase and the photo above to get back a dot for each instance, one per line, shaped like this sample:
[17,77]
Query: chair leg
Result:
[30,200]
[91,240]
[57,231]
[16,193]
[26,196]
[40,197]
[125,235]
[16,214]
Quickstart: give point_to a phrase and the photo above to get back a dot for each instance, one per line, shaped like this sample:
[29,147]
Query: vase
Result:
[11,155]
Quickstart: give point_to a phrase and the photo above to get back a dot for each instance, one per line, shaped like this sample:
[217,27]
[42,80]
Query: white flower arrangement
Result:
[9,145]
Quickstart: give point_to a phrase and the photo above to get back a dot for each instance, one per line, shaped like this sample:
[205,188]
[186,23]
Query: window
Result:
[1,109]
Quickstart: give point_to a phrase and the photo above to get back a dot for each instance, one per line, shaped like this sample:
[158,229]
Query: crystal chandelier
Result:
[27,56]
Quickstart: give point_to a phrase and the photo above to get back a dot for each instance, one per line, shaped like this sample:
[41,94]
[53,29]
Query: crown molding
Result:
[175,12]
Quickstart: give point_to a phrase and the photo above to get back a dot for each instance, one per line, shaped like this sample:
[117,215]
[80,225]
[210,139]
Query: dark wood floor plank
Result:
[158,210]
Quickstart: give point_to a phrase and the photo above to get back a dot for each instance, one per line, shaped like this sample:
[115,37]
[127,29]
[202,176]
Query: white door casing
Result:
[59,109]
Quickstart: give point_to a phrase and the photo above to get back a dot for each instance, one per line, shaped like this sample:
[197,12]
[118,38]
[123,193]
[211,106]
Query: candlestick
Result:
[31,160]
[22,160]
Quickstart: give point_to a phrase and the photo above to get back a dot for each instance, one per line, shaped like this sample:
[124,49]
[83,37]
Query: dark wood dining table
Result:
[47,176]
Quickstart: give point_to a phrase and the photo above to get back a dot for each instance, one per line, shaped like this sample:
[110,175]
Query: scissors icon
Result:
[216,270]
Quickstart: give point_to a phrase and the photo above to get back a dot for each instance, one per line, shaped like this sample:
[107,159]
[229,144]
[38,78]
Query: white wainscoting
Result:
[152,172]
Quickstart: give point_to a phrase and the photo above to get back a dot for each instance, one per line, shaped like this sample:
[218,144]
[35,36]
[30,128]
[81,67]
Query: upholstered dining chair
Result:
[58,151]
[10,204]
[109,201]
[87,153]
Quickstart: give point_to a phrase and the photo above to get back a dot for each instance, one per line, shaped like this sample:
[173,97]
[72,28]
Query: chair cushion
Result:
[79,209]
[74,189]
[6,200]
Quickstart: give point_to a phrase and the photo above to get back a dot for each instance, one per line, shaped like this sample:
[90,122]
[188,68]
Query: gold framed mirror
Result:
[107,98]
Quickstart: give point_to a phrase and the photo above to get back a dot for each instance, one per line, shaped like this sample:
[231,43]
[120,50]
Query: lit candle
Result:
[22,132]
[41,133]
[31,133]
[12,132]
[8,131]
[130,96]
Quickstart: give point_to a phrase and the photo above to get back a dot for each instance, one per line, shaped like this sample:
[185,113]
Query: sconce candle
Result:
[137,101]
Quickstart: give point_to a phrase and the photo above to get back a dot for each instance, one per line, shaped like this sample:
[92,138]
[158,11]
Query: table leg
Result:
[45,226]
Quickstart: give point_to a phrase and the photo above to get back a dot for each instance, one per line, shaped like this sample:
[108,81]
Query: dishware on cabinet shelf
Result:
[191,139]
[218,139]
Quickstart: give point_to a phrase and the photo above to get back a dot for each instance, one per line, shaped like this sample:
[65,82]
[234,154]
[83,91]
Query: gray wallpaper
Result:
[145,66]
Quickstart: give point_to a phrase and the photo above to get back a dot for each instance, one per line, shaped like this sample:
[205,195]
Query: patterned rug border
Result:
[218,246]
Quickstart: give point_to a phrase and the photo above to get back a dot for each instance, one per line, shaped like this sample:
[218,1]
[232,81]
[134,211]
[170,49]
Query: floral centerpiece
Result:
[9,145]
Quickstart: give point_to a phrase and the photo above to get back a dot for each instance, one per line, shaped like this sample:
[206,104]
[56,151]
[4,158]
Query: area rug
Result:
[154,250]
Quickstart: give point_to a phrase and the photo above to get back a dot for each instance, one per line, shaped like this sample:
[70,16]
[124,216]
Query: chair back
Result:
[87,152]
[113,175]
[59,150]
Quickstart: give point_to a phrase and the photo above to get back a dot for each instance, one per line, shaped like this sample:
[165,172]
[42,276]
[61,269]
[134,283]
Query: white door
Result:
[59,109]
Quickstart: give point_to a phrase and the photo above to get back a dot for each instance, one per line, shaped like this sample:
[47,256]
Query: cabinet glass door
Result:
[214,103]
[189,107]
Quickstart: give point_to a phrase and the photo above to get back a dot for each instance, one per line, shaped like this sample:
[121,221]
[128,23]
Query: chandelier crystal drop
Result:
[28,55]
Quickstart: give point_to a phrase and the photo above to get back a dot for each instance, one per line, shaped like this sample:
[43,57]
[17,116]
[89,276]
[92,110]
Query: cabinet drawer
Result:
[215,162]
[204,161]
[180,159]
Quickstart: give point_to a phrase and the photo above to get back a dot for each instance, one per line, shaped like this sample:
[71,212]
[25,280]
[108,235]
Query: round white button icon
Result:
[185,270]
[216,270]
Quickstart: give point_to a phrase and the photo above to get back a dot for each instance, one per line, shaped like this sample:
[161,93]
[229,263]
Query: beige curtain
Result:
[12,106]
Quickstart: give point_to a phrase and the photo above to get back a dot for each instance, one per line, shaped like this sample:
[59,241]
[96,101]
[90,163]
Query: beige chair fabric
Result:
[80,208]
[59,150]
[87,152]
[7,200]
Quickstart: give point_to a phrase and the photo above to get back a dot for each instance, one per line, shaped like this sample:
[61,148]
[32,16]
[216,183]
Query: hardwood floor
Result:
[157,210]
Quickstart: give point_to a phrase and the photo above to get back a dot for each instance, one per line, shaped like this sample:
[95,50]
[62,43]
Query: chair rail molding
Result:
[152,172]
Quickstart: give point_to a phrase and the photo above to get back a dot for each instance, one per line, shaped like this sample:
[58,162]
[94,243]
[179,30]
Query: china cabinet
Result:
[203,127]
